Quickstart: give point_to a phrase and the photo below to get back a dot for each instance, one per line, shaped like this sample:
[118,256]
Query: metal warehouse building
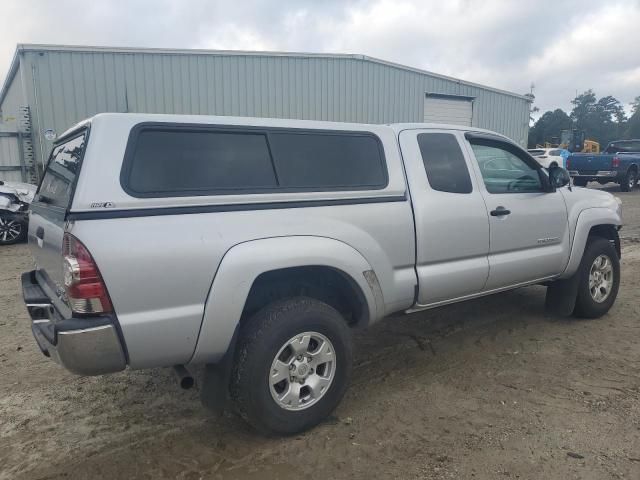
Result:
[50,87]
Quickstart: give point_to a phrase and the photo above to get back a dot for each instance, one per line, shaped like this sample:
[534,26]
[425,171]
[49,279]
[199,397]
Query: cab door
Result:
[529,229]
[451,220]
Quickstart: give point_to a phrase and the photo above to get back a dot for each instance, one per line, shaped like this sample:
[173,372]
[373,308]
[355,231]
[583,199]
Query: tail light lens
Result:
[86,291]
[615,163]
[568,163]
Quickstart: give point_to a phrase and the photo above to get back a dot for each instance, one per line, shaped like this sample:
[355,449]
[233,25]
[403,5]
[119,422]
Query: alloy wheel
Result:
[601,278]
[10,229]
[302,371]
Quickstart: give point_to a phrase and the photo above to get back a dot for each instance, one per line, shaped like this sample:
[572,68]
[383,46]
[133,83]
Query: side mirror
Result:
[559,177]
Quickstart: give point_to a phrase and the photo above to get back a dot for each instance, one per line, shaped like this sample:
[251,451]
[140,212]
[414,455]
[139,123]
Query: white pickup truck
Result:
[254,246]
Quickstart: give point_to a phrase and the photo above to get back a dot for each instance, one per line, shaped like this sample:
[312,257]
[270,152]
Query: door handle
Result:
[500,211]
[40,233]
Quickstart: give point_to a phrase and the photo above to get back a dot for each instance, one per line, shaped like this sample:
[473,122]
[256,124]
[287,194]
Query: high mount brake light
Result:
[86,291]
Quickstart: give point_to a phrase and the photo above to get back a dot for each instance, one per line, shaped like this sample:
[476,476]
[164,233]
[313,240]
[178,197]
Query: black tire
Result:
[262,338]
[629,181]
[586,306]
[9,223]
[580,182]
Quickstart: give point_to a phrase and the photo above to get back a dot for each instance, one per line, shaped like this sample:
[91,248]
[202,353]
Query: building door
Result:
[449,109]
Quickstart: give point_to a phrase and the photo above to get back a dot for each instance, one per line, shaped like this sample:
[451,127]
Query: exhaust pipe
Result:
[185,379]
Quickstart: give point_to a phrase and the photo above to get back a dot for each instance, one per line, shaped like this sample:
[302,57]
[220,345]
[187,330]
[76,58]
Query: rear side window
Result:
[310,160]
[444,163]
[59,177]
[180,161]
[623,147]
[192,162]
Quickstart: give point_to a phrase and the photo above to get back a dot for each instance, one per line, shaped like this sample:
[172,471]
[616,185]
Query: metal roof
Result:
[169,51]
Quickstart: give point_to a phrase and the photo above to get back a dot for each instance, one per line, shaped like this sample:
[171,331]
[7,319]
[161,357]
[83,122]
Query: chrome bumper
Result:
[85,346]
[598,174]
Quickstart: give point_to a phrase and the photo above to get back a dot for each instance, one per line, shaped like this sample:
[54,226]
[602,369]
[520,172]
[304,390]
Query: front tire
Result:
[293,365]
[599,279]
[629,181]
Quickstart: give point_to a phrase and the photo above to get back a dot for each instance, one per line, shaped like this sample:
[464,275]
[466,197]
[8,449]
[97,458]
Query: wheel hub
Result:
[301,369]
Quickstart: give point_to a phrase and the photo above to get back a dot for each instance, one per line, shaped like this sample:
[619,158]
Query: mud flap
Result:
[214,392]
[561,296]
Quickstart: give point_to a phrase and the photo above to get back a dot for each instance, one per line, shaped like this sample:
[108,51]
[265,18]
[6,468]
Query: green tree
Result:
[633,125]
[603,120]
[548,128]
[583,107]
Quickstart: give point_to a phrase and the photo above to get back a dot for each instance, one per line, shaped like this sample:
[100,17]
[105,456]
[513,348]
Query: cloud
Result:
[562,46]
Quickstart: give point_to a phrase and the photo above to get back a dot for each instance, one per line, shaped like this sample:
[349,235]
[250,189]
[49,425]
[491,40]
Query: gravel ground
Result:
[491,388]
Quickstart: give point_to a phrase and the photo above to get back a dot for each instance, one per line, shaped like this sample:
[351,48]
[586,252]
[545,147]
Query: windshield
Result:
[61,172]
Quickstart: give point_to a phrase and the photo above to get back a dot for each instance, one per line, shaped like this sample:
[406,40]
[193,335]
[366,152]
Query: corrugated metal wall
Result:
[70,86]
[10,122]
[9,157]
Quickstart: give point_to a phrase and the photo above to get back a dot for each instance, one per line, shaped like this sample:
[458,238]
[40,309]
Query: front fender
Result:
[243,263]
[588,219]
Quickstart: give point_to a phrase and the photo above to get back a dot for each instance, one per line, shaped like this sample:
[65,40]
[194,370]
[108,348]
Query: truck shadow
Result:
[139,417]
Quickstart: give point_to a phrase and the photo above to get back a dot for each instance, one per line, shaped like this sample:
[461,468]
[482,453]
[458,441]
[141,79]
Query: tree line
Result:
[602,120]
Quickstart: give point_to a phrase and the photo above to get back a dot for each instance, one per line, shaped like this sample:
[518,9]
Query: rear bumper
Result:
[85,346]
[597,174]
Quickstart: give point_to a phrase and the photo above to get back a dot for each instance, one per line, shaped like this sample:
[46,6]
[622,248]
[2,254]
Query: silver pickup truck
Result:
[253,247]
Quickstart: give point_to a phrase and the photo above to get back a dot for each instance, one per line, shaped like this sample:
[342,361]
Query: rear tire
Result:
[305,390]
[599,279]
[12,229]
[629,181]
[580,182]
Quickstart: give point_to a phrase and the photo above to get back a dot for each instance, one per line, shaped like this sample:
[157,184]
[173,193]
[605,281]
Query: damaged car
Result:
[15,199]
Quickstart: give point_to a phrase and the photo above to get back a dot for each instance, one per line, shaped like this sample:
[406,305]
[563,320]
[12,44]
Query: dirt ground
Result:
[487,389]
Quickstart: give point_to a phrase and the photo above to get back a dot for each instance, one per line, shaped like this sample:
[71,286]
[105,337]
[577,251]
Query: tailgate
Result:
[49,208]
[587,162]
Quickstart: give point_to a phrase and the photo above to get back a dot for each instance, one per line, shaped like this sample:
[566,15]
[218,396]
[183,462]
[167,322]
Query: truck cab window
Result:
[504,172]
[444,163]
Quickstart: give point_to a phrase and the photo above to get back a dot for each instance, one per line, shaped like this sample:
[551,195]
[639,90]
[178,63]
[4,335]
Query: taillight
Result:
[568,163]
[615,163]
[86,291]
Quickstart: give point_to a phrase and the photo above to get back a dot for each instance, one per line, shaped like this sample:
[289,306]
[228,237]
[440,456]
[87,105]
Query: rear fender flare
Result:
[243,263]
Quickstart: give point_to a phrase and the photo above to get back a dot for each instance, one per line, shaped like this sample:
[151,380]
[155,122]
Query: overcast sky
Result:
[561,46]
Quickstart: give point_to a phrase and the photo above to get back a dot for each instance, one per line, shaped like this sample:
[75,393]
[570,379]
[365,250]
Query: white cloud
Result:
[563,46]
